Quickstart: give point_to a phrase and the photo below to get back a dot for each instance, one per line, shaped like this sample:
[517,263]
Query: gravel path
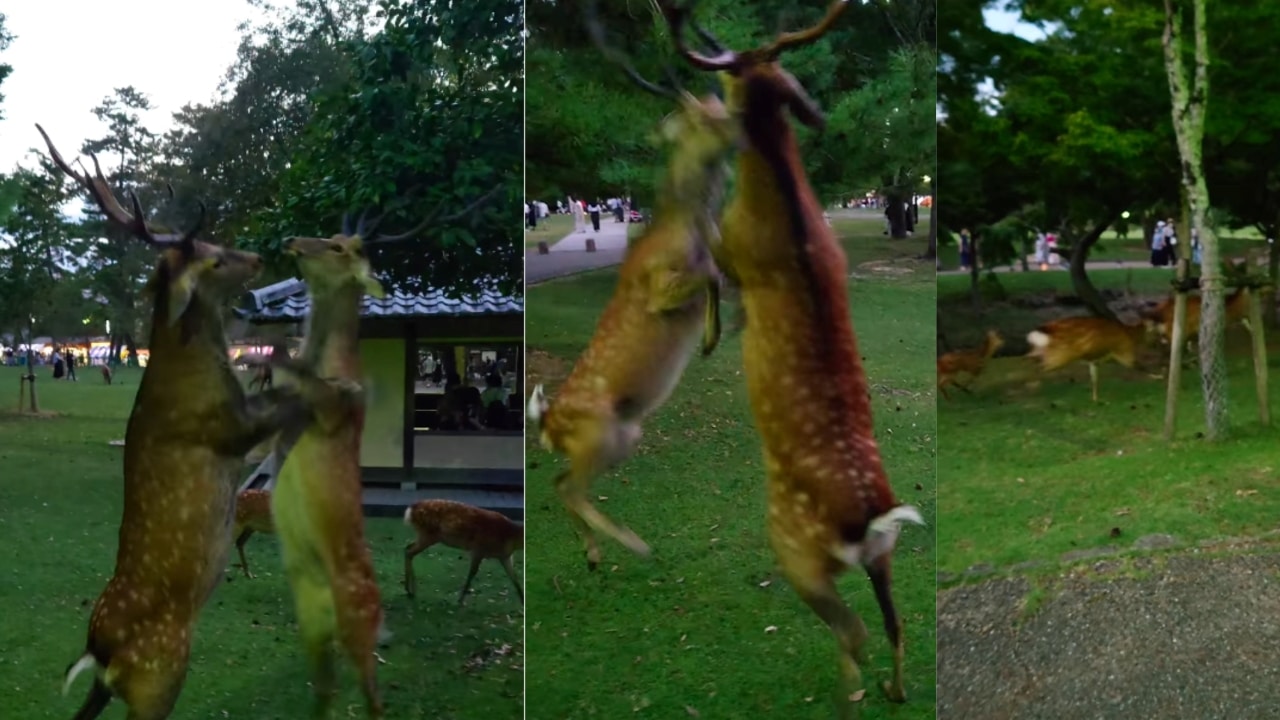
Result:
[1172,636]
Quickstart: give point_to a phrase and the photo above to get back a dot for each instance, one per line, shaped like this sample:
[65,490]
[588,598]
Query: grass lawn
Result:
[60,491]
[1029,472]
[1133,248]
[550,229]
[706,628]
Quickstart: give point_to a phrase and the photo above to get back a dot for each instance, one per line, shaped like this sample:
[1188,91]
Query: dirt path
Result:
[1183,635]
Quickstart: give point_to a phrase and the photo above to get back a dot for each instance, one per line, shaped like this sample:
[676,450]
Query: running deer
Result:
[483,533]
[1091,340]
[1161,317]
[830,505]
[971,362]
[666,297]
[184,446]
[253,515]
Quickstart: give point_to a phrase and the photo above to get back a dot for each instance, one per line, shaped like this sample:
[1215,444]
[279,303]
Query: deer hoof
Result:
[897,695]
[592,565]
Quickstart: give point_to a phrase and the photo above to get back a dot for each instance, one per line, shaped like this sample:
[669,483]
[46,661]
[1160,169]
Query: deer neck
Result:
[771,177]
[333,330]
[189,355]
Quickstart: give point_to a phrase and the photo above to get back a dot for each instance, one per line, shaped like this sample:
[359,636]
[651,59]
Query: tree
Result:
[1190,100]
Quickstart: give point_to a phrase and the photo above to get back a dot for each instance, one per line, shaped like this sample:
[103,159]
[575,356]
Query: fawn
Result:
[253,514]
[189,430]
[972,362]
[830,505]
[1091,340]
[484,533]
[667,296]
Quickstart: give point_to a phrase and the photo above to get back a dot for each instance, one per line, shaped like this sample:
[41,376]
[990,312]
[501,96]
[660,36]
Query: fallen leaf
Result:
[771,629]
[693,712]
[1246,493]
[1122,512]
[856,697]
[766,583]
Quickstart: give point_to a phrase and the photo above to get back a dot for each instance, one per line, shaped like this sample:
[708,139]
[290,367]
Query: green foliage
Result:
[588,126]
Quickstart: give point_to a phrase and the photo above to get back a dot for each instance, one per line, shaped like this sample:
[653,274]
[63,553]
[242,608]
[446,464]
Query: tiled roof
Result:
[287,301]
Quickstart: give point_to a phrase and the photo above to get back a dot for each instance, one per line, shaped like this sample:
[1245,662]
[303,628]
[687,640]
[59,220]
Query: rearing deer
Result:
[666,297]
[830,505]
[317,502]
[184,447]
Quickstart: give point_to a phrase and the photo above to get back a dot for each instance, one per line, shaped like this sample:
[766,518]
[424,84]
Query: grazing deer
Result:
[1160,318]
[951,365]
[666,297]
[106,374]
[830,505]
[253,514]
[483,533]
[184,446]
[1091,340]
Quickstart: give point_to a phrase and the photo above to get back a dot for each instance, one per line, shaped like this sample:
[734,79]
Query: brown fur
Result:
[253,514]
[667,295]
[483,533]
[190,427]
[953,364]
[1089,340]
[1161,317]
[317,504]
[829,499]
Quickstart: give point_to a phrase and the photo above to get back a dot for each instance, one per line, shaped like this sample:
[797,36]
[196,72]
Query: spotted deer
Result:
[1090,340]
[667,297]
[186,437]
[830,505]
[483,533]
[253,515]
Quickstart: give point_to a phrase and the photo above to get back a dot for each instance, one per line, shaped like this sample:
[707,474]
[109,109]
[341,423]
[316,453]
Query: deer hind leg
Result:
[360,624]
[881,580]
[411,550]
[317,623]
[151,693]
[471,575]
[99,697]
[1093,380]
[511,573]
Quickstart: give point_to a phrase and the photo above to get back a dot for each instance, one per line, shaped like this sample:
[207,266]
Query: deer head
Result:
[754,81]
[187,266]
[334,264]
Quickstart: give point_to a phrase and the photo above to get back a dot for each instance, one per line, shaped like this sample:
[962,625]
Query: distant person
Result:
[531,212]
[71,366]
[1171,242]
[966,250]
[494,391]
[594,211]
[1157,246]
[58,368]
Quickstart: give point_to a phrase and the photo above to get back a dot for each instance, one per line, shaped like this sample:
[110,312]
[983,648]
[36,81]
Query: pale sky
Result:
[68,55]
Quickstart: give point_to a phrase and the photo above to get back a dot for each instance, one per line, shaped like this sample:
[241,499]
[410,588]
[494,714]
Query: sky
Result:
[1011,22]
[70,54]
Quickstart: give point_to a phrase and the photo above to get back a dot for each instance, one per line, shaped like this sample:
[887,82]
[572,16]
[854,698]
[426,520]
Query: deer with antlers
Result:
[667,297]
[830,505]
[184,446]
[316,504]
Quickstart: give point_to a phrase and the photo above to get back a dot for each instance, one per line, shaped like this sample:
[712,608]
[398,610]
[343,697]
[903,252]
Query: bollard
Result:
[591,245]
[543,249]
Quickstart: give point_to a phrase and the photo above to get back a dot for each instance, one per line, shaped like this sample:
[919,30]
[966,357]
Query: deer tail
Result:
[85,662]
[408,516]
[881,536]
[537,403]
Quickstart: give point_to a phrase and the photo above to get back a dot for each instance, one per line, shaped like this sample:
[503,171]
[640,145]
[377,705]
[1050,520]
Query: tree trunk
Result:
[31,371]
[897,214]
[973,275]
[133,350]
[932,252]
[1080,281]
[1273,273]
[1190,98]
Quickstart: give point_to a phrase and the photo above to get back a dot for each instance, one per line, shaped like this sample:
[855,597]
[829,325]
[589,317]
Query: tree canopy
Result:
[397,107]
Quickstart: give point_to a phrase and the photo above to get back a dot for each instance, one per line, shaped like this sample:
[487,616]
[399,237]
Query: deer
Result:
[317,502]
[667,297]
[830,504]
[253,515]
[483,533]
[1160,318]
[972,362]
[1091,340]
[190,427]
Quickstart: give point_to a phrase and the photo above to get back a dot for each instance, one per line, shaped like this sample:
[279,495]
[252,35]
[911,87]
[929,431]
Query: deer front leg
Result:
[1093,379]
[819,593]
[671,289]
[471,575]
[562,485]
[244,562]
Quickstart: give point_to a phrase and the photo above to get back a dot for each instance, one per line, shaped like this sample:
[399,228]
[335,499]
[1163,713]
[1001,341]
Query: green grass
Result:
[550,229]
[688,631]
[1030,472]
[60,490]
[1133,248]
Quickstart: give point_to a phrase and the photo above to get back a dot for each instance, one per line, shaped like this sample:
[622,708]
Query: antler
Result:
[100,191]
[725,59]
[432,217]
[595,29]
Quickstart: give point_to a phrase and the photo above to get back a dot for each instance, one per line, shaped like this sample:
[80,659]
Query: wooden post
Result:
[1175,353]
[1256,330]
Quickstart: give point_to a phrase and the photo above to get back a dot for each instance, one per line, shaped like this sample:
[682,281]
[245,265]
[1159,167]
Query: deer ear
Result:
[370,283]
[183,288]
